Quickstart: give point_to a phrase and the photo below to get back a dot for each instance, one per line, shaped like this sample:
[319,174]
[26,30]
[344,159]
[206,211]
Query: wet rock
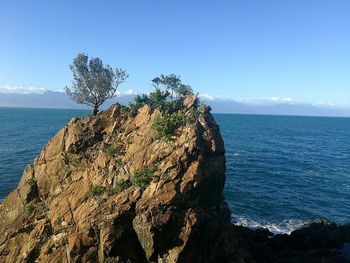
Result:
[320,235]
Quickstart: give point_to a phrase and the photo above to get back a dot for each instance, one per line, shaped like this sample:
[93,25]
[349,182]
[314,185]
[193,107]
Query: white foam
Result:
[283,227]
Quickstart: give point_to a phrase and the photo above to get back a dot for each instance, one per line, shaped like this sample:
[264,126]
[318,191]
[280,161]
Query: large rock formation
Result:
[76,202]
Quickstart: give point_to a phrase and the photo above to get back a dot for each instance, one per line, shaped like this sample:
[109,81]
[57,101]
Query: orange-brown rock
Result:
[52,216]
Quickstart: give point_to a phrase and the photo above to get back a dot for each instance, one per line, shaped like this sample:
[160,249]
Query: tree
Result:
[93,82]
[173,84]
[184,90]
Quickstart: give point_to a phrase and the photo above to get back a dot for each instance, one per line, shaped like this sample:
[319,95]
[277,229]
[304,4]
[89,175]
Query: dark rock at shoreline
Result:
[318,235]
[314,242]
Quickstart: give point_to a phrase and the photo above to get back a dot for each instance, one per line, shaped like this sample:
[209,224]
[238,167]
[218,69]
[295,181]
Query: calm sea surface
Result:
[281,171]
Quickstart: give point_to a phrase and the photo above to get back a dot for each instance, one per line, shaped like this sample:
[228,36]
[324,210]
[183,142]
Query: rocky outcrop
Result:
[76,203]
[313,243]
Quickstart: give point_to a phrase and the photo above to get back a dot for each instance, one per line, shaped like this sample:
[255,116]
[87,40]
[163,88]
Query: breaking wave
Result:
[284,227]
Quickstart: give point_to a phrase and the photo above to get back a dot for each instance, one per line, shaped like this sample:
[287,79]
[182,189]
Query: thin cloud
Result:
[270,101]
[207,96]
[8,89]
[257,101]
[21,90]
[126,93]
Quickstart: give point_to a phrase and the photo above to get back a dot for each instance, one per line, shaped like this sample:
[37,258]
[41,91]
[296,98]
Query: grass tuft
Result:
[121,185]
[143,177]
[28,209]
[96,190]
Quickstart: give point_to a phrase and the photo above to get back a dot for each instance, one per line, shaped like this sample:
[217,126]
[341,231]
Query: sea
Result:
[282,171]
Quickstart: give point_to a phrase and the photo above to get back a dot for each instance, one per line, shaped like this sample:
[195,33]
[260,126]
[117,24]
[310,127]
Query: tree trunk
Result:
[95,110]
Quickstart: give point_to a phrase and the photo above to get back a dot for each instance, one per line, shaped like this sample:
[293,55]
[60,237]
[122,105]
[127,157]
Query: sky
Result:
[282,49]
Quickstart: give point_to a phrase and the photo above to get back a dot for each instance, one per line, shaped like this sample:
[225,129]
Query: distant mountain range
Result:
[52,99]
[273,107]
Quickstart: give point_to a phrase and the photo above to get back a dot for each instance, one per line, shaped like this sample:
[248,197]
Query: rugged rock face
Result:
[66,208]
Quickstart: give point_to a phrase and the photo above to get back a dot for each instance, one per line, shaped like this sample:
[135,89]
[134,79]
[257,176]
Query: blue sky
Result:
[239,49]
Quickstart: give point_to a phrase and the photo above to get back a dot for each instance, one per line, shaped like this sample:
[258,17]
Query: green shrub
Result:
[31,182]
[174,84]
[128,141]
[121,185]
[169,106]
[119,162]
[75,161]
[201,106]
[143,177]
[167,96]
[166,124]
[133,108]
[169,101]
[139,101]
[111,150]
[96,190]
[58,221]
[158,99]
[125,110]
[28,209]
[184,90]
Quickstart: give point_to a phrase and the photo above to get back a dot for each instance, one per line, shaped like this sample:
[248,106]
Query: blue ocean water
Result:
[282,171]
[23,132]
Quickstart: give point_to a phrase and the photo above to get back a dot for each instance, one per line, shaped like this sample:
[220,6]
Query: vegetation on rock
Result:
[167,99]
[74,160]
[111,150]
[156,99]
[28,208]
[141,178]
[173,84]
[58,221]
[166,124]
[121,185]
[31,182]
[96,190]
[169,102]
